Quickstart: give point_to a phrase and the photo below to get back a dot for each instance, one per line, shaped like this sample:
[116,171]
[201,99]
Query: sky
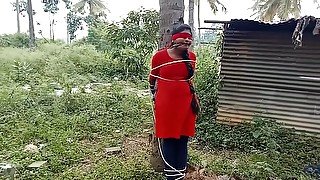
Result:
[118,9]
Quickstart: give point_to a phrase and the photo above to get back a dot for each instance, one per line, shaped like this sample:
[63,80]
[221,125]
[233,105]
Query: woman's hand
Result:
[152,92]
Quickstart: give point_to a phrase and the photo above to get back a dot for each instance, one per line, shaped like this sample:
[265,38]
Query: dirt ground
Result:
[134,145]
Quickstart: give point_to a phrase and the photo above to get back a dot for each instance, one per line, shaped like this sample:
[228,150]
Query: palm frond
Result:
[79,6]
[98,4]
[214,5]
[267,10]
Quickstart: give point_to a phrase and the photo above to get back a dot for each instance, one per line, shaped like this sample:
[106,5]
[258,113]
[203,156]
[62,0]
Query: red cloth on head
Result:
[181,35]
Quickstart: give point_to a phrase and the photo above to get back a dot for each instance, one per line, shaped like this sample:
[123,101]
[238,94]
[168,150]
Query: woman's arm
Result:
[154,71]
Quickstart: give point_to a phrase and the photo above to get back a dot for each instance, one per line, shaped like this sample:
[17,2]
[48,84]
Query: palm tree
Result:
[95,6]
[31,25]
[267,10]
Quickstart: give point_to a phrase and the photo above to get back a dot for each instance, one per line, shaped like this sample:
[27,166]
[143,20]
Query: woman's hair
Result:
[181,28]
[185,54]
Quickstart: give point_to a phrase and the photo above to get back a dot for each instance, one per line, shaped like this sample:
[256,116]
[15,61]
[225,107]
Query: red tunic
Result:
[173,113]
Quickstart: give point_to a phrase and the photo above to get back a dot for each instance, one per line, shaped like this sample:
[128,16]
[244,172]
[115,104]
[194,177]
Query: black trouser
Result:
[175,152]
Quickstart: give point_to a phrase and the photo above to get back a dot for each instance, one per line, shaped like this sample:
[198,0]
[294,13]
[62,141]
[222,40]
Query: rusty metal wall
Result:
[263,75]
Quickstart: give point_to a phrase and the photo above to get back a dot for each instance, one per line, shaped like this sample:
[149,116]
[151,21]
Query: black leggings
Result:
[175,152]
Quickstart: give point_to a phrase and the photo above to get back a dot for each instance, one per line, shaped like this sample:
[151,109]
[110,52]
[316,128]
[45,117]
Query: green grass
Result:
[75,128]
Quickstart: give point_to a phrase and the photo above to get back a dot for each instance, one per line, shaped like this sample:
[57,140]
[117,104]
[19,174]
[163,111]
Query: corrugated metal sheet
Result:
[264,75]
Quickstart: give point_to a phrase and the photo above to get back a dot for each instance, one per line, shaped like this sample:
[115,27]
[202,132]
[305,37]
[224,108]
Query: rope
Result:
[172,80]
[168,63]
[172,62]
[179,173]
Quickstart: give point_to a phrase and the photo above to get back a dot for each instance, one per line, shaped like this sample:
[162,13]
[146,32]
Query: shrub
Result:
[129,43]
[14,40]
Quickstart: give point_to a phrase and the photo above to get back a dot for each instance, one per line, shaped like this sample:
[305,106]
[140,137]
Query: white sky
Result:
[119,8]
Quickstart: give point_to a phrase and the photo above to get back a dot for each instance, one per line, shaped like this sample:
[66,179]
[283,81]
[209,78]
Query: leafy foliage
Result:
[130,42]
[74,23]
[51,6]
[23,6]
[262,149]
[208,81]
[14,40]
[267,10]
[95,6]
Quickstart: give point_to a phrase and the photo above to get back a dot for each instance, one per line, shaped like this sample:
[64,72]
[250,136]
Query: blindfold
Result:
[181,35]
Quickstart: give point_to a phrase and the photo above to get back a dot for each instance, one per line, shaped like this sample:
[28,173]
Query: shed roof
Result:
[252,25]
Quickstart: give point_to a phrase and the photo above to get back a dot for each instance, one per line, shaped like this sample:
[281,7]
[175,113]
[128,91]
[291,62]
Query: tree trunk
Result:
[18,14]
[90,8]
[31,26]
[53,24]
[171,15]
[199,21]
[191,18]
[191,14]
[50,27]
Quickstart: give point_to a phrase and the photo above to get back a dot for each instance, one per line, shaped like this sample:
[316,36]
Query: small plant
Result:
[22,71]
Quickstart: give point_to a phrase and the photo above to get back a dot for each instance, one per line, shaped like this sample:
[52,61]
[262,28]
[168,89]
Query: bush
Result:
[14,40]
[130,43]
[207,84]
[207,81]
[56,63]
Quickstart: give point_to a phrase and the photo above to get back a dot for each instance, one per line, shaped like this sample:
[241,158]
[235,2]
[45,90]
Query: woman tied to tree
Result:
[176,105]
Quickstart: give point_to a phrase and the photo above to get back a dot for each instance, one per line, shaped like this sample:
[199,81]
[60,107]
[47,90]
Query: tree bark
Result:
[171,15]
[90,8]
[191,19]
[31,25]
[191,15]
[18,15]
[199,20]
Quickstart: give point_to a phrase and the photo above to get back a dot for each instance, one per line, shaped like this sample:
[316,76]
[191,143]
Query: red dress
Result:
[173,114]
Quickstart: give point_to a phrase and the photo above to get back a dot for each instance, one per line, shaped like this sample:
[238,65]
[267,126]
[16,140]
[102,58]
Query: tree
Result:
[267,10]
[31,25]
[74,21]
[171,14]
[191,14]
[199,19]
[18,15]
[19,6]
[95,7]
[51,7]
[191,17]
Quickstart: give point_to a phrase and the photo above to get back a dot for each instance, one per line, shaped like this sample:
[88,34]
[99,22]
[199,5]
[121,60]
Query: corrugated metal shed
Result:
[264,75]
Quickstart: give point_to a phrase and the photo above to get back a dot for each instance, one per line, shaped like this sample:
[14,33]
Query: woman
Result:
[175,102]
